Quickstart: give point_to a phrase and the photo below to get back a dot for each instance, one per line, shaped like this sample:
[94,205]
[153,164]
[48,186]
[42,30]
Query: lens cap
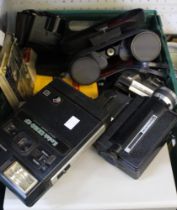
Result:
[85,70]
[146,46]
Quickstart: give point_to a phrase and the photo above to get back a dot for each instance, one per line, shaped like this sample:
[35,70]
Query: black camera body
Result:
[138,132]
[39,143]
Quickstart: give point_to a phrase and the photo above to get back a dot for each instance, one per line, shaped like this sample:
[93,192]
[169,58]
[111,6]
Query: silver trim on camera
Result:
[20,177]
[92,139]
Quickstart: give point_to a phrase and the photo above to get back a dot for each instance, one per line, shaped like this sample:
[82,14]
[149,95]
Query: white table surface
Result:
[93,184]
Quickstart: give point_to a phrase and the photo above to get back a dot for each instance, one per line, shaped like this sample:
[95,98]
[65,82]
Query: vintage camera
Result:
[139,131]
[39,143]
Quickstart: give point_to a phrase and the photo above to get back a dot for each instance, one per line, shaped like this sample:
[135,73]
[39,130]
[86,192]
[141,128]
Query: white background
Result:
[166,8]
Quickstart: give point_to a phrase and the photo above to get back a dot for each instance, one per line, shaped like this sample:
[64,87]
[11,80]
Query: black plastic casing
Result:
[136,135]
[51,117]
